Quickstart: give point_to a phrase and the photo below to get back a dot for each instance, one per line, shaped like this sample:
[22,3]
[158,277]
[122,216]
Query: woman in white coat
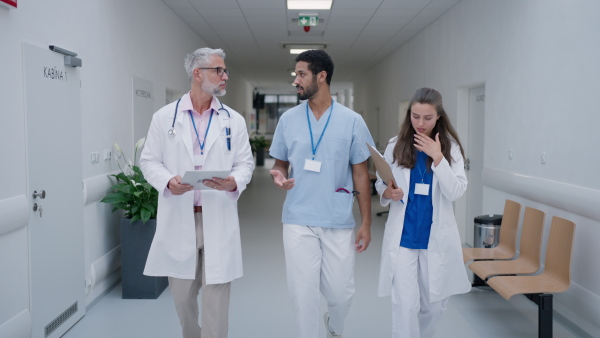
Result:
[421,260]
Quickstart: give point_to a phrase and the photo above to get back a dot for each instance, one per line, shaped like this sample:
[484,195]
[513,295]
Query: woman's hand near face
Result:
[433,148]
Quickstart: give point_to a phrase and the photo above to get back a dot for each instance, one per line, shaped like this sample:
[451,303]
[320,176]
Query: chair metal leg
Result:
[544,302]
[545,316]
[478,281]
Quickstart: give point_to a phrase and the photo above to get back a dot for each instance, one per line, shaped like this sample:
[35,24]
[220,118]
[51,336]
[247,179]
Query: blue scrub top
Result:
[419,209]
[314,201]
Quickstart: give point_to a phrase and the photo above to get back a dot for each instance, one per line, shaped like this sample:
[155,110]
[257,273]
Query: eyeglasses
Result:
[220,70]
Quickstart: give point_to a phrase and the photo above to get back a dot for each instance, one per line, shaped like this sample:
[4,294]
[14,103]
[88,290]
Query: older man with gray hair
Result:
[197,242]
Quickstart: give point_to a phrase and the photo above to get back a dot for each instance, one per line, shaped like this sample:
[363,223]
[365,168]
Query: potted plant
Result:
[258,143]
[139,201]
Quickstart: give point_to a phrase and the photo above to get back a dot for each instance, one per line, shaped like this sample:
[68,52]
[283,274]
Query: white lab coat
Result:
[447,273]
[173,251]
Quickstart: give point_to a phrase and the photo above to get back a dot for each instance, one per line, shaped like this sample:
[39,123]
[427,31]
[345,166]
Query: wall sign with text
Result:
[12,3]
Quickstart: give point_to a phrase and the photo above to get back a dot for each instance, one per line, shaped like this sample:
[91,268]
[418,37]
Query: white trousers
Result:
[413,316]
[319,260]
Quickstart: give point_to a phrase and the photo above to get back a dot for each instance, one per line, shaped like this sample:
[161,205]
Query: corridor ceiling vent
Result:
[309,4]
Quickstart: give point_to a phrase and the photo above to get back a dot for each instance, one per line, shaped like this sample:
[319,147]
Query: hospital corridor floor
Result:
[260,305]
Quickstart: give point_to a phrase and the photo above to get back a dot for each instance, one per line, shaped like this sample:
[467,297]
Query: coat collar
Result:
[220,120]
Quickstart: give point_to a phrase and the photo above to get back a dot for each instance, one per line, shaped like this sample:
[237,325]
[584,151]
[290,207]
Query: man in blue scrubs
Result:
[321,161]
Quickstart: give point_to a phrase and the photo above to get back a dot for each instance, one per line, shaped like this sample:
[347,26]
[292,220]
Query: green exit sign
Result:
[308,21]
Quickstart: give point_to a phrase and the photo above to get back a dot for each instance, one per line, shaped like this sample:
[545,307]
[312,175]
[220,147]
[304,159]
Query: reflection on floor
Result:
[260,306]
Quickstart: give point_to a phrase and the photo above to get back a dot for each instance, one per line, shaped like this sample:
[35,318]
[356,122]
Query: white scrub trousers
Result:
[319,260]
[413,316]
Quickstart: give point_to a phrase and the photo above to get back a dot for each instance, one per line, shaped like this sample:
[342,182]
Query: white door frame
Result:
[465,222]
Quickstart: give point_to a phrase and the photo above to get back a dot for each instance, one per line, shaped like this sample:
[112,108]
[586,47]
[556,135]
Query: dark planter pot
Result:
[260,156]
[136,238]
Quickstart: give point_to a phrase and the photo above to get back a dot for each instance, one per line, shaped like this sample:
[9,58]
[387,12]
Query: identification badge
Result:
[312,165]
[198,160]
[422,189]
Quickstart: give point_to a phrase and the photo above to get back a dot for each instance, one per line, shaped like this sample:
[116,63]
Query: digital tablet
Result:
[195,177]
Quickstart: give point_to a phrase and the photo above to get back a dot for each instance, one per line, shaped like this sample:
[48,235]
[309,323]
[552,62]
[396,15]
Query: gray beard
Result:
[213,89]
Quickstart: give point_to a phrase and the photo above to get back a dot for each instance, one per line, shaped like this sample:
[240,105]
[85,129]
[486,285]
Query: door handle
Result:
[41,194]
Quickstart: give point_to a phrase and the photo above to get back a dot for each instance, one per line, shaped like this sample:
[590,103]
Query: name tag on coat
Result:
[422,189]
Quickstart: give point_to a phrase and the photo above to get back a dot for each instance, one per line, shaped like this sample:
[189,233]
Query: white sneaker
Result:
[330,334]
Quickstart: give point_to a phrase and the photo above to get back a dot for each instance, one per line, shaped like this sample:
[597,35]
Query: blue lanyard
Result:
[312,142]
[419,169]
[205,134]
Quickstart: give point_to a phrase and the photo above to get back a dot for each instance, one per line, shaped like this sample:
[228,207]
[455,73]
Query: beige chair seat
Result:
[498,252]
[499,268]
[508,286]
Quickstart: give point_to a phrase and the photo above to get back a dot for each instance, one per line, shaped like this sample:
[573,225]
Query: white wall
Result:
[539,62]
[239,95]
[116,40]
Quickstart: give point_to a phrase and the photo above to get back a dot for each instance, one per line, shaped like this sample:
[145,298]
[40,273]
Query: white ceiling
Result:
[357,33]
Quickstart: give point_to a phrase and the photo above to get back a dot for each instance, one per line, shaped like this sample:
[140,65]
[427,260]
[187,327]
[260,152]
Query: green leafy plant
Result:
[132,193]
[257,142]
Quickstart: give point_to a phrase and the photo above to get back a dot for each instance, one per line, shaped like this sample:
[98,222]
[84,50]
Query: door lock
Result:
[41,194]
[36,208]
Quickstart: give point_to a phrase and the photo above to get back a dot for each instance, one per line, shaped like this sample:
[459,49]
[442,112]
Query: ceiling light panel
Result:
[309,4]
[299,48]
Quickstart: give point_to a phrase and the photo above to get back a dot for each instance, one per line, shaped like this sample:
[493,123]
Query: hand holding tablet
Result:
[196,178]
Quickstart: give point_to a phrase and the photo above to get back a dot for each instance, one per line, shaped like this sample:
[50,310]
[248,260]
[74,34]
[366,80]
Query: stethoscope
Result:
[172,132]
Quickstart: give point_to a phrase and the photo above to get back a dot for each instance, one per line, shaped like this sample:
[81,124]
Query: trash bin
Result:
[487,231]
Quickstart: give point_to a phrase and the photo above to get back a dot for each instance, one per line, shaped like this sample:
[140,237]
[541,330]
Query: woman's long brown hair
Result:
[405,153]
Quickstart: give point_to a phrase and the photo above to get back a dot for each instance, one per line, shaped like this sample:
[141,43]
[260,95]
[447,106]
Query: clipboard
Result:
[195,177]
[383,168]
